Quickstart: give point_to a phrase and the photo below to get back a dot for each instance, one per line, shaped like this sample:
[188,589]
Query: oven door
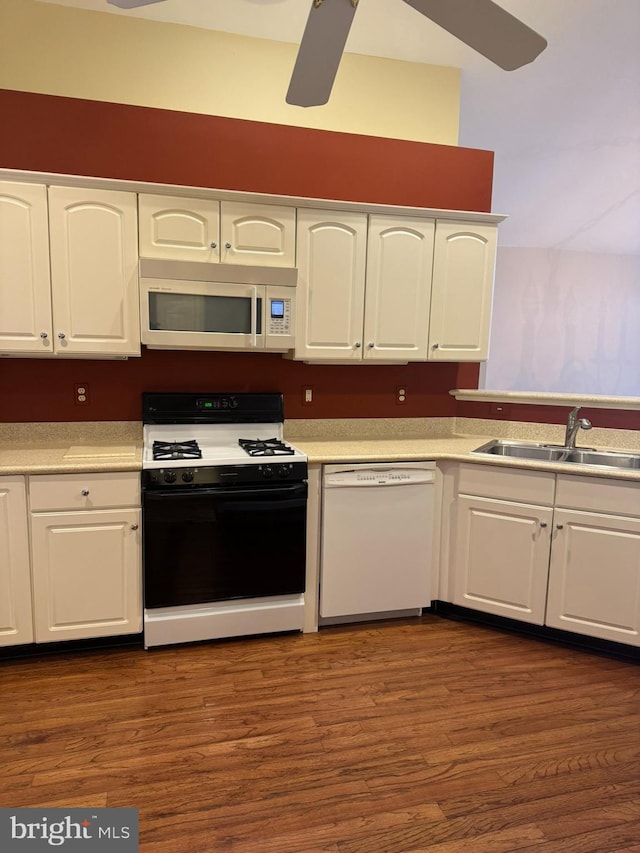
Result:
[206,545]
[201,315]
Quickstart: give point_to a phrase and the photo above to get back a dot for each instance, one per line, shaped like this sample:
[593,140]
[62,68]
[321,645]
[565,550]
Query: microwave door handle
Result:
[254,320]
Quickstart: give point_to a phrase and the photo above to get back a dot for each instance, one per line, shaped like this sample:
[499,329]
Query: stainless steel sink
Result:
[559,453]
[523,450]
[609,458]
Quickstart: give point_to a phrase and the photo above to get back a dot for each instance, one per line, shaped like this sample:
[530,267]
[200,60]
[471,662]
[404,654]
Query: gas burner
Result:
[266,447]
[176,450]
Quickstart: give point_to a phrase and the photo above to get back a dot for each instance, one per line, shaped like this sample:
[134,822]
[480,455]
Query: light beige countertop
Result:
[70,447]
[363,440]
[117,446]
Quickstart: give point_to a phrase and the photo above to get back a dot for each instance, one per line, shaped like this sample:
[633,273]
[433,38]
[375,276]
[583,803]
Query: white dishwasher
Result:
[377,538]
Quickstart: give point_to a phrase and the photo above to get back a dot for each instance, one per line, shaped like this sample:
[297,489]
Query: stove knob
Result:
[267,472]
[284,471]
[187,477]
[169,476]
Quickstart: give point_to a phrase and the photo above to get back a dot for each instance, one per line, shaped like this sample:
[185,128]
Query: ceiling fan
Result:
[482,24]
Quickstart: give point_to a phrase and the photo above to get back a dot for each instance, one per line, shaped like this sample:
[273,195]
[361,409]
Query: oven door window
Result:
[213,545]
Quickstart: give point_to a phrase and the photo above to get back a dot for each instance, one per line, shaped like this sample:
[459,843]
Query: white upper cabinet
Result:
[462,291]
[185,229]
[424,293]
[193,229]
[331,280]
[68,271]
[398,288]
[257,234]
[94,271]
[25,287]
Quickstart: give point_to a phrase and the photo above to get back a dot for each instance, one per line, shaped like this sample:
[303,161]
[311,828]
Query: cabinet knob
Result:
[134,526]
[61,335]
[371,344]
[85,493]
[44,336]
[213,245]
[559,526]
[227,245]
[543,524]
[435,346]
[357,345]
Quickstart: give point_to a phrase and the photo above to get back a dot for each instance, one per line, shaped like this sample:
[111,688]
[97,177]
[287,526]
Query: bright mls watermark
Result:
[27,830]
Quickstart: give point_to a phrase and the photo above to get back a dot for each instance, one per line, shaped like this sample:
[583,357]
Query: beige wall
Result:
[59,50]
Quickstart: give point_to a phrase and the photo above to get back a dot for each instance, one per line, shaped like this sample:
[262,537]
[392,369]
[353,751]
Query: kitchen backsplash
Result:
[40,390]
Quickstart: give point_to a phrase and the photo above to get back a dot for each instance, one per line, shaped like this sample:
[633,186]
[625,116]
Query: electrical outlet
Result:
[81,392]
[401,395]
[307,395]
[500,410]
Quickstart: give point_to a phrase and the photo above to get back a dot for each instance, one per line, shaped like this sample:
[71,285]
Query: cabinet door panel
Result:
[501,558]
[15,572]
[259,234]
[594,578]
[179,228]
[462,291]
[86,574]
[94,271]
[398,288]
[331,275]
[25,284]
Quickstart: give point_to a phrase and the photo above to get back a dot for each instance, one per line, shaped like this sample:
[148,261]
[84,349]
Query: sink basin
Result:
[523,450]
[557,453]
[609,458]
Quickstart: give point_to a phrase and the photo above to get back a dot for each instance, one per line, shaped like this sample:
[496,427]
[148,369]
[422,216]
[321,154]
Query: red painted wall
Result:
[71,136]
[605,418]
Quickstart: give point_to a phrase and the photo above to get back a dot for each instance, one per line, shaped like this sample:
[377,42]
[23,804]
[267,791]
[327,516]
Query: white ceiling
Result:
[565,129]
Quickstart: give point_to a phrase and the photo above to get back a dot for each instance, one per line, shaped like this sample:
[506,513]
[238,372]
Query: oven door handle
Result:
[260,491]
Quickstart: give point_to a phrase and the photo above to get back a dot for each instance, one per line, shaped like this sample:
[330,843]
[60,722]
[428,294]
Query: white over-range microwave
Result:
[202,306]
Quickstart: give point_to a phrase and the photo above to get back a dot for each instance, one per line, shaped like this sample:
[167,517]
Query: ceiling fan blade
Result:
[132,4]
[320,52]
[487,28]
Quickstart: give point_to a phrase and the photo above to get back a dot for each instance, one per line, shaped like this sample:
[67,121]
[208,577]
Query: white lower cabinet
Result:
[85,555]
[502,557]
[545,552]
[16,624]
[502,532]
[594,573]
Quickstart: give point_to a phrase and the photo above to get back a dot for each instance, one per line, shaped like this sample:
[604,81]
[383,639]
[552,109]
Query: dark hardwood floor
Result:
[420,735]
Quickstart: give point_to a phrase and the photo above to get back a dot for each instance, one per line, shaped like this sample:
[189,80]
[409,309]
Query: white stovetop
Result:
[218,443]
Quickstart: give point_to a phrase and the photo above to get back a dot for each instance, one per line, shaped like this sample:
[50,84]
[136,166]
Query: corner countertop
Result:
[446,439]
[117,446]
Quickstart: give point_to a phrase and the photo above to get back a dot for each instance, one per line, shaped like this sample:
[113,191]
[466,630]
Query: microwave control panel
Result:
[279,316]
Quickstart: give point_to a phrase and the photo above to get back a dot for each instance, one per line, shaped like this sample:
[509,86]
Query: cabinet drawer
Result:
[509,484]
[84,491]
[598,494]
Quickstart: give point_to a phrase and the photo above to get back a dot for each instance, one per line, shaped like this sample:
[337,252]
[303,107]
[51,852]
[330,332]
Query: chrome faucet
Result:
[574,424]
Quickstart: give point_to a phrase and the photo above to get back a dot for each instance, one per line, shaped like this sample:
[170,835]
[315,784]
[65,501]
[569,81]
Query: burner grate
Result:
[176,450]
[265,447]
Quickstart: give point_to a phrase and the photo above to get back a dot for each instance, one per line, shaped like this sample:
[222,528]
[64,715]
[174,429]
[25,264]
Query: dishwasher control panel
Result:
[363,475]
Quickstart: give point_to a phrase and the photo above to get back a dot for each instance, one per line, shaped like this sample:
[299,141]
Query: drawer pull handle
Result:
[85,493]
